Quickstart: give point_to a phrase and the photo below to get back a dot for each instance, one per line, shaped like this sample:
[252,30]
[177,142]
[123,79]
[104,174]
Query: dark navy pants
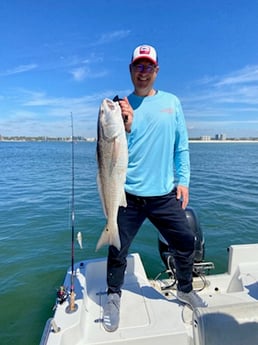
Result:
[166,214]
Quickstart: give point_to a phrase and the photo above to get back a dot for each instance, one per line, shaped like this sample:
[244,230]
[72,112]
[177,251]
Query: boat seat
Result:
[235,324]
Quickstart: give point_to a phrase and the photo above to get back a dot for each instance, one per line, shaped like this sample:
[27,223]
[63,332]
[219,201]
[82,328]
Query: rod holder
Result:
[72,306]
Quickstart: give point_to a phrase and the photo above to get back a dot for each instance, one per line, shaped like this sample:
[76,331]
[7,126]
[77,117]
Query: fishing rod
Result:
[72,307]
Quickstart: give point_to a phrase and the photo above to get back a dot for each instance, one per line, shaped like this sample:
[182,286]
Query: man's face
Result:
[143,74]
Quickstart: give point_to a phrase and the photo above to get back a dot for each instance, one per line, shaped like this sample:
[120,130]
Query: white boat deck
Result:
[149,317]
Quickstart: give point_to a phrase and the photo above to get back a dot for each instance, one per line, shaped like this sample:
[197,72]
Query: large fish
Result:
[112,157]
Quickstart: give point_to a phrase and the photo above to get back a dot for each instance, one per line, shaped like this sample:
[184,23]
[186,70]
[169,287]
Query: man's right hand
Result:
[127,113]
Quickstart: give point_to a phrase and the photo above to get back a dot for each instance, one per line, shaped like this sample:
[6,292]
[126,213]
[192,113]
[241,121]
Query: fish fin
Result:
[101,195]
[123,201]
[110,237]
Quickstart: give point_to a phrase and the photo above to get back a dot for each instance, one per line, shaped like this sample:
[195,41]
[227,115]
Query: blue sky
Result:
[58,57]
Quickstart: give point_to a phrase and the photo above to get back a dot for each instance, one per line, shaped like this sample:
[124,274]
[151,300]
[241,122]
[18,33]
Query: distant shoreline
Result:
[222,141]
[91,140]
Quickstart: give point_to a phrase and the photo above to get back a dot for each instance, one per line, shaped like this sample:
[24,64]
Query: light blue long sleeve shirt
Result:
[157,145]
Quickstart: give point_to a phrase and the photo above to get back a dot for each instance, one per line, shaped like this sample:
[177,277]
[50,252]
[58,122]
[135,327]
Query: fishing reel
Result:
[62,295]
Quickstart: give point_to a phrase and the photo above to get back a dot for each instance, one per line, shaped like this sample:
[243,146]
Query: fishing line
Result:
[72,307]
[72,210]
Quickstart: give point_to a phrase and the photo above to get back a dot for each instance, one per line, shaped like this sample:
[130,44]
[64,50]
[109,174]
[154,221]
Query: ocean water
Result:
[35,222]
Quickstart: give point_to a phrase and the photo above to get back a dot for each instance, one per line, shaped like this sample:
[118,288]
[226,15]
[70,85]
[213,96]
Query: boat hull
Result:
[151,314]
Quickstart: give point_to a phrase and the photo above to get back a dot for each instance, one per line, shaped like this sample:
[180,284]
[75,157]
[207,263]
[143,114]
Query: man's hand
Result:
[127,113]
[183,194]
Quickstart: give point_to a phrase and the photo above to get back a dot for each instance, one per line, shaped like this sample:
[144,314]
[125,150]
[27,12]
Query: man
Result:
[157,145]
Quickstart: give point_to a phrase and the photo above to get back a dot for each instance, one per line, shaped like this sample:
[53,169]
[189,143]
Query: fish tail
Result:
[110,235]
[123,201]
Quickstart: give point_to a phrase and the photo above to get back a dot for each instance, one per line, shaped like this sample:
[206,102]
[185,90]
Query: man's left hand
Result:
[183,194]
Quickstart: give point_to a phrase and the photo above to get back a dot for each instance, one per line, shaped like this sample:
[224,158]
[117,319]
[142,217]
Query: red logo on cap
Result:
[144,50]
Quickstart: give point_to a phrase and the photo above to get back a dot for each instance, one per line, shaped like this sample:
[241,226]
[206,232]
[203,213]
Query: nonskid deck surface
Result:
[145,314]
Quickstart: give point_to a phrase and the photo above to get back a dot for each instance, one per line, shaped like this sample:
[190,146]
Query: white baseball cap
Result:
[145,52]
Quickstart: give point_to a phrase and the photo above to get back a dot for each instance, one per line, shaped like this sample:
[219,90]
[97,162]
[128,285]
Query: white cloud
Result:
[248,74]
[112,36]
[80,73]
[224,104]
[239,87]
[19,69]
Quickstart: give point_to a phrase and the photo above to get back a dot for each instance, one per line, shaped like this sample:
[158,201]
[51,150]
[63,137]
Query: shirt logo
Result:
[167,110]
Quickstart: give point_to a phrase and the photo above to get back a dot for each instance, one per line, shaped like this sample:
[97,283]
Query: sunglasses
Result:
[144,68]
